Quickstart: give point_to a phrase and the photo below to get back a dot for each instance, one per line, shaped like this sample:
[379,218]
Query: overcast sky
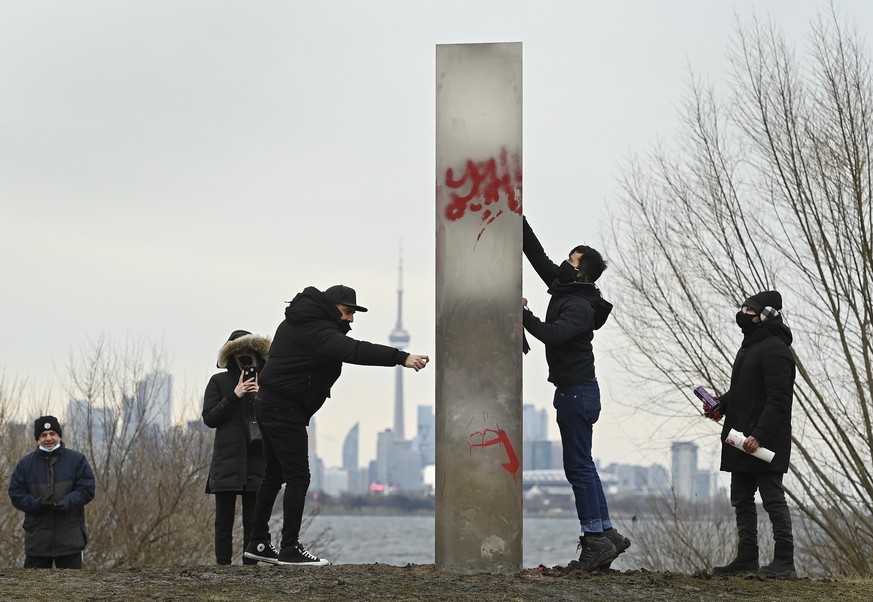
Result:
[171,171]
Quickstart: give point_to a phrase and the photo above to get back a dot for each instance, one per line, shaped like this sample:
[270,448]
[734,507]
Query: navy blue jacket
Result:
[575,311]
[64,477]
[307,355]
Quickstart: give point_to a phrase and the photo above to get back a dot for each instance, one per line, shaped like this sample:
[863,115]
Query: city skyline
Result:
[166,194]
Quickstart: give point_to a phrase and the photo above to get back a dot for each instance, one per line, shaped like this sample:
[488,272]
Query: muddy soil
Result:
[352,582]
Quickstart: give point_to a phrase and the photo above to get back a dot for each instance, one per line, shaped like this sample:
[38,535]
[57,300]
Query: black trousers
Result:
[69,561]
[769,484]
[225,513]
[286,457]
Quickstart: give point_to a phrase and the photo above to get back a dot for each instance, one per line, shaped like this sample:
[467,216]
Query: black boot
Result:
[745,562]
[783,562]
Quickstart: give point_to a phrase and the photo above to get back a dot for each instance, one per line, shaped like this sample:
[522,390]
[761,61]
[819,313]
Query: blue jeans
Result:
[578,408]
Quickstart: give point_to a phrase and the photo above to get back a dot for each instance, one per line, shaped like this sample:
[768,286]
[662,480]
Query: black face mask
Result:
[244,361]
[567,273]
[745,321]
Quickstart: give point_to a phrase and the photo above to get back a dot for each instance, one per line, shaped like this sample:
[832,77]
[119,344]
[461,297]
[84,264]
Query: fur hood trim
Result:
[253,342]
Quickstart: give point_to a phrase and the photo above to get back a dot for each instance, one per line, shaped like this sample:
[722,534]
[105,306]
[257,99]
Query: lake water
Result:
[399,540]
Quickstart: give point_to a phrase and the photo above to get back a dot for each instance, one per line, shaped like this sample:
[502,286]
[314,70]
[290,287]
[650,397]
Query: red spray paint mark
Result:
[502,439]
[486,183]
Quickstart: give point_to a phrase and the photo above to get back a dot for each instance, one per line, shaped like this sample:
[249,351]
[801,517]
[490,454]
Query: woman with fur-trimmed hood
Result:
[237,455]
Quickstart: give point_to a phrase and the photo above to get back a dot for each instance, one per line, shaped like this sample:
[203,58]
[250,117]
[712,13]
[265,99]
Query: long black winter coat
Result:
[575,311]
[307,355]
[237,464]
[64,477]
[758,403]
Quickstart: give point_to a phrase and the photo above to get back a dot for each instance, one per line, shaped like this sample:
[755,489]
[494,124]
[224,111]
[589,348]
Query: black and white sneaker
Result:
[297,555]
[262,551]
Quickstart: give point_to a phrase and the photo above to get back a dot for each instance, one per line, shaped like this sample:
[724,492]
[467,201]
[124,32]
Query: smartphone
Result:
[249,372]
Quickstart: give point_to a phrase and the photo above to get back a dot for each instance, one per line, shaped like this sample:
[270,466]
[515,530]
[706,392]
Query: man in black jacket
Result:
[576,309]
[51,485]
[306,359]
[758,404]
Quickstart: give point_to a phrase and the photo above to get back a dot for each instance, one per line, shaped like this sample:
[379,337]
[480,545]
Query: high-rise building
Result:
[316,466]
[426,438]
[357,479]
[684,460]
[151,407]
[397,463]
[88,423]
[535,423]
[350,448]
[399,338]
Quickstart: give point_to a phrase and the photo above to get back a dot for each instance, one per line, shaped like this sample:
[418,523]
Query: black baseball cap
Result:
[344,295]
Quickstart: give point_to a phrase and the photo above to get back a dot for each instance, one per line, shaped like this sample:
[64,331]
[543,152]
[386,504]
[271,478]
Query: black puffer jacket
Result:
[759,400]
[237,464]
[308,352]
[575,311]
[65,477]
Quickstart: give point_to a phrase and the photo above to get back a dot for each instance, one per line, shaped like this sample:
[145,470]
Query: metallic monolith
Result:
[478,307]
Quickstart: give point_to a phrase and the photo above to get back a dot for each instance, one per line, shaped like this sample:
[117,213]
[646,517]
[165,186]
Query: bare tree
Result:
[15,442]
[150,507]
[769,186]
[675,534]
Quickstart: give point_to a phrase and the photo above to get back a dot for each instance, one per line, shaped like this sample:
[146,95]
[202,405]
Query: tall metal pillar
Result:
[478,307]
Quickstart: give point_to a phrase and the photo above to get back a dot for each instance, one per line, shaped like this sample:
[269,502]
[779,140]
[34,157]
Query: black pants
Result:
[69,561]
[225,513]
[769,484]
[286,457]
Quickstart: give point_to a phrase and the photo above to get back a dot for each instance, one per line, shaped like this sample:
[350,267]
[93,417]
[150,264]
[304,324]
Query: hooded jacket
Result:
[237,464]
[64,477]
[759,400]
[307,354]
[575,311]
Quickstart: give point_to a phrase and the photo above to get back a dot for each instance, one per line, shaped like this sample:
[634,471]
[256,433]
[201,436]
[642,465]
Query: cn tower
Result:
[399,338]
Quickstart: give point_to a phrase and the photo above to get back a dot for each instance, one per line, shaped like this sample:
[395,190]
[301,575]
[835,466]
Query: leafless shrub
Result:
[150,507]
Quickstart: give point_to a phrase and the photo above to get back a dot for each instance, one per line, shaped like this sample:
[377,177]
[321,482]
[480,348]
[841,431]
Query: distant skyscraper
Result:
[397,463]
[426,438]
[86,422]
[350,448]
[152,405]
[399,338]
[534,423]
[684,460]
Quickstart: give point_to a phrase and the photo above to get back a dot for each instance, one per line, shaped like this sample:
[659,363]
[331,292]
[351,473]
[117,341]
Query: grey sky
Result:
[176,170]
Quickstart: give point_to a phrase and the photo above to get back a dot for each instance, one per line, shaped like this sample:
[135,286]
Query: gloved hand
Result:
[713,414]
[45,506]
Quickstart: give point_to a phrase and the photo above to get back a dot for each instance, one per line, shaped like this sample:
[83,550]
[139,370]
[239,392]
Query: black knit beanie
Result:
[46,423]
[767,304]
[764,299]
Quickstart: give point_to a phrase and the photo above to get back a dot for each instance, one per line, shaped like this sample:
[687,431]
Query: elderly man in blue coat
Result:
[51,485]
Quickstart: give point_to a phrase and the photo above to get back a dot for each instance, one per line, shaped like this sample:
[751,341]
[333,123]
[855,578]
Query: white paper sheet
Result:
[736,439]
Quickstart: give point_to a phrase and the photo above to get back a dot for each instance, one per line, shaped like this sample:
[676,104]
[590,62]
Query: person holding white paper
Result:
[758,406]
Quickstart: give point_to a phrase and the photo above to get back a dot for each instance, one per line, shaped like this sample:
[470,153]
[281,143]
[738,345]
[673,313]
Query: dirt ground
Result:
[352,582]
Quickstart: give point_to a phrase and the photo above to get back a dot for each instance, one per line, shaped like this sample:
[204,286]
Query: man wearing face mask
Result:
[51,485]
[576,309]
[758,404]
[306,359]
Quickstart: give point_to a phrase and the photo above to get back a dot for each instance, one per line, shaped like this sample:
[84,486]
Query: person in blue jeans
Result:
[576,309]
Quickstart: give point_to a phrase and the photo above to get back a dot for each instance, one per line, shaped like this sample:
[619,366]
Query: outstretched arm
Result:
[536,255]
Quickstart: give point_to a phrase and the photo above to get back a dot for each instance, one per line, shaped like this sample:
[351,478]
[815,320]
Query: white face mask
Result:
[55,448]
